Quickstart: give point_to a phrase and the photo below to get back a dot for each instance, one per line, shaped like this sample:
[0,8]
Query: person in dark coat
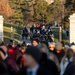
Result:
[52,55]
[59,52]
[31,29]
[32,57]
[19,58]
[3,69]
[35,42]
[25,33]
[47,63]
[70,70]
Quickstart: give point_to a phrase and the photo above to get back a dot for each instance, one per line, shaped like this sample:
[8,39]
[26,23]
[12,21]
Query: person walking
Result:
[59,52]
[66,60]
[32,58]
[13,51]
[70,70]
[35,42]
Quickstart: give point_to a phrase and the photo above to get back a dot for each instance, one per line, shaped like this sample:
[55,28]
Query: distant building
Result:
[50,1]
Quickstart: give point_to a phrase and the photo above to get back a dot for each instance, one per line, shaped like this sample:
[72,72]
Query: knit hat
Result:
[58,46]
[34,52]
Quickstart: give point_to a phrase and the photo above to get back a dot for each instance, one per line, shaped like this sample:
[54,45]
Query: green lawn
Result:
[7,32]
[56,34]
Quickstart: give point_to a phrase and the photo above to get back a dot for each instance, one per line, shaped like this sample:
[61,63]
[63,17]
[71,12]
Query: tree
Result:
[41,13]
[20,11]
[5,8]
[69,9]
[57,10]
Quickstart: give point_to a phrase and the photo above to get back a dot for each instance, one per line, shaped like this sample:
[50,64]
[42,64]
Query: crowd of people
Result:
[42,57]
[37,59]
[43,32]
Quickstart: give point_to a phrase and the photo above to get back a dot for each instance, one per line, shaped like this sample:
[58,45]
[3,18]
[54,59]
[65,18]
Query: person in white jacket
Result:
[66,60]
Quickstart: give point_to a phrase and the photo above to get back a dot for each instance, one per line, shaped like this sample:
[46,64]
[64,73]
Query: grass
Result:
[7,32]
[56,34]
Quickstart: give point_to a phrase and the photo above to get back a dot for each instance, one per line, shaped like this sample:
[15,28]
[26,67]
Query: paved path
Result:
[28,42]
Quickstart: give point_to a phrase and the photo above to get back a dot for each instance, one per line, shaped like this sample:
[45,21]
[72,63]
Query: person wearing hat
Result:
[32,59]
[59,52]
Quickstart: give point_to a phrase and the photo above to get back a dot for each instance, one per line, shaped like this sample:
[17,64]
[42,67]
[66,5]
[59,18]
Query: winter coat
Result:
[11,66]
[20,59]
[70,70]
[12,52]
[53,58]
[40,71]
[63,66]
[49,65]
[60,55]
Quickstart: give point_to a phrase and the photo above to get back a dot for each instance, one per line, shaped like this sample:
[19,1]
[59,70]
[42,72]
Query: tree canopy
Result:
[5,8]
[41,11]
[19,11]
